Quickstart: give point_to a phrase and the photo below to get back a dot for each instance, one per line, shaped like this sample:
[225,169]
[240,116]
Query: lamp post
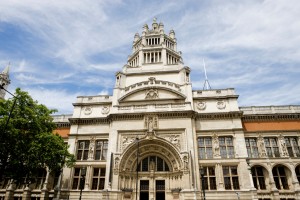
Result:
[82,180]
[13,106]
[137,169]
[202,172]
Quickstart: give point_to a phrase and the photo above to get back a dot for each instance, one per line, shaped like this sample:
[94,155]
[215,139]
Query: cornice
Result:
[217,97]
[80,121]
[271,117]
[161,115]
[62,124]
[217,116]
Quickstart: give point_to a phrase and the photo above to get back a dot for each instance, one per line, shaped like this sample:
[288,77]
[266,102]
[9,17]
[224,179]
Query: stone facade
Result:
[155,138]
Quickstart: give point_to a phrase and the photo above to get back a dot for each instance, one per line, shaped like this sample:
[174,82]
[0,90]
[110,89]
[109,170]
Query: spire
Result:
[206,85]
[4,80]
[6,69]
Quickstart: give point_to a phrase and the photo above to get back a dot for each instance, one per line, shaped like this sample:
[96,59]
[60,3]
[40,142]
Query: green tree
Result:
[27,142]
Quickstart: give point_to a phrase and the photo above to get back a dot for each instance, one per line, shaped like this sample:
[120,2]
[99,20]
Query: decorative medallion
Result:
[201,105]
[88,110]
[151,94]
[221,104]
[105,110]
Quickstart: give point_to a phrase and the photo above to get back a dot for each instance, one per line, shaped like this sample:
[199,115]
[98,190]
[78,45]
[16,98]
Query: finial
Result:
[154,20]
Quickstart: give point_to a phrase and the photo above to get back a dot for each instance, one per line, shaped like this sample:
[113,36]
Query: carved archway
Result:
[151,147]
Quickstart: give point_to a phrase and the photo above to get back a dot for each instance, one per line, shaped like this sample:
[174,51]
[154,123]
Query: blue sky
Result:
[62,49]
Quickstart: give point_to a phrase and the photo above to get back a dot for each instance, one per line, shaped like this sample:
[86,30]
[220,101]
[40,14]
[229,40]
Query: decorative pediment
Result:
[152,93]
[152,90]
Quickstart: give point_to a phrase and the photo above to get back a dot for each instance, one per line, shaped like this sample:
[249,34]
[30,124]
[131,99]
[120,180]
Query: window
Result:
[292,146]
[205,148]
[98,179]
[101,150]
[231,179]
[226,147]
[40,179]
[83,149]
[78,180]
[153,163]
[251,146]
[258,178]
[271,147]
[298,173]
[209,178]
[280,178]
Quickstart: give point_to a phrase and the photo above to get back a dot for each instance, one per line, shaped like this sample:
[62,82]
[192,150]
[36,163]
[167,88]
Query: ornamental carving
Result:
[283,146]
[151,94]
[201,105]
[174,139]
[88,110]
[127,140]
[261,146]
[151,122]
[92,148]
[221,104]
[216,145]
[105,110]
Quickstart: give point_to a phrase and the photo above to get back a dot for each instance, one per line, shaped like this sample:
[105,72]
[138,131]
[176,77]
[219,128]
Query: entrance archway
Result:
[149,167]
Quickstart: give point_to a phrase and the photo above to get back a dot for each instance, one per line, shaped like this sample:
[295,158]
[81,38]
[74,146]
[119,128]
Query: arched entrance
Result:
[150,168]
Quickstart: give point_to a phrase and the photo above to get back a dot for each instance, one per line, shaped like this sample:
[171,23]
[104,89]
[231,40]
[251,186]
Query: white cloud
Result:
[246,44]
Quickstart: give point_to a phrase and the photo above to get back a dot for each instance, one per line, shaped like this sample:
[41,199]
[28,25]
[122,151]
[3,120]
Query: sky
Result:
[59,50]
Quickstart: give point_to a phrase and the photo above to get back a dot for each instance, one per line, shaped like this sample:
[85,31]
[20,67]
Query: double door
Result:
[159,190]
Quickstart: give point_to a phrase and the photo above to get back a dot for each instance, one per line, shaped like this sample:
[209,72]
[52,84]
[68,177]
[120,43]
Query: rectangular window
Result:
[98,179]
[209,178]
[231,179]
[205,148]
[78,180]
[292,146]
[252,148]
[101,150]
[226,147]
[83,149]
[272,147]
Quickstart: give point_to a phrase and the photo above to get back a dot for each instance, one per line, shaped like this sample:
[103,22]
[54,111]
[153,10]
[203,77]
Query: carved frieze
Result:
[174,139]
[126,140]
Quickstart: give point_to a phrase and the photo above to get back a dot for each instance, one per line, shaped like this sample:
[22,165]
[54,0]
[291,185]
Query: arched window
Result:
[280,178]
[153,163]
[298,173]
[258,178]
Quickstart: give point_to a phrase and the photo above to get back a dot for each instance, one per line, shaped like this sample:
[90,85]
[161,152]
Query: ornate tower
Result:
[4,81]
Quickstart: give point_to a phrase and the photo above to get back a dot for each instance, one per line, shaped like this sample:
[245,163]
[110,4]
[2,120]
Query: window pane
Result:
[227,183]
[235,182]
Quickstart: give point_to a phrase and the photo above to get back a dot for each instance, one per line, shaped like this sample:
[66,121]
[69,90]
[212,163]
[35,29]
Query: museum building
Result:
[156,138]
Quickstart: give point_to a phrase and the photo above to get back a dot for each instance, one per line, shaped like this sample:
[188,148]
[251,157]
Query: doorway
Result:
[144,189]
[160,190]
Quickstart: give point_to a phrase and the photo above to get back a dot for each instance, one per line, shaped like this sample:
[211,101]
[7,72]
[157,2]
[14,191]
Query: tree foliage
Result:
[27,142]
